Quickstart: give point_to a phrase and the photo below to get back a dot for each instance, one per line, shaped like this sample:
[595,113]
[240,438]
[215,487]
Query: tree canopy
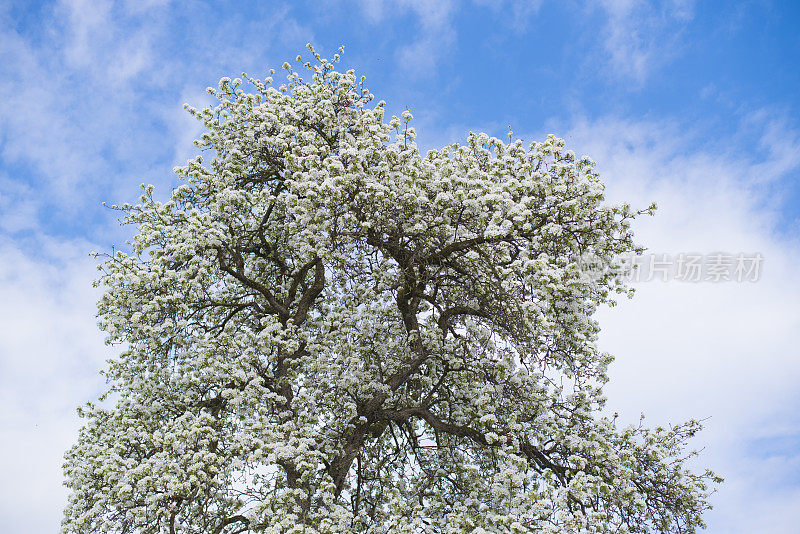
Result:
[325,331]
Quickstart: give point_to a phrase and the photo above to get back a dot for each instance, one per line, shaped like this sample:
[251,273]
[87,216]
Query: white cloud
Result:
[79,117]
[18,206]
[139,6]
[779,141]
[639,35]
[436,36]
[33,127]
[724,351]
[50,354]
[71,105]
[373,10]
[517,13]
[114,45]
[429,41]
[87,22]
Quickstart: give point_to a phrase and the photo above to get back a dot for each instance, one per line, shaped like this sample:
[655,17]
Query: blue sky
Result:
[693,105]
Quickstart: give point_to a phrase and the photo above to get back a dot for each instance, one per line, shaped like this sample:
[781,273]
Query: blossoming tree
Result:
[326,331]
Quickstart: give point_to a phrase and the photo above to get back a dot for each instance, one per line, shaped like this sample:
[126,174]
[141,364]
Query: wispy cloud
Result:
[433,35]
[93,42]
[18,206]
[82,117]
[515,13]
[72,103]
[640,35]
[636,36]
[779,141]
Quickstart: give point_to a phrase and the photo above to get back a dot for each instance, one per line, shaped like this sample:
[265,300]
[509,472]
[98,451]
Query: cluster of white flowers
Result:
[326,331]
